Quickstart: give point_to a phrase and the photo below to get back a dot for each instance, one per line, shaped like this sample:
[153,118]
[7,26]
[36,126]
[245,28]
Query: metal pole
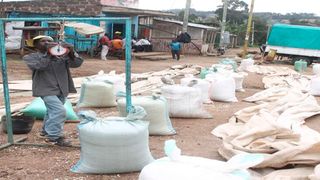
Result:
[252,36]
[128,65]
[5,83]
[186,16]
[223,22]
[246,40]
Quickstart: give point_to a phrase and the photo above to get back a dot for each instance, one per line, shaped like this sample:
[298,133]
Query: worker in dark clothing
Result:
[52,81]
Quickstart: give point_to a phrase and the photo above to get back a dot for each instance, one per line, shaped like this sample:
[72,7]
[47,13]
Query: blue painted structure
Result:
[110,26]
[128,23]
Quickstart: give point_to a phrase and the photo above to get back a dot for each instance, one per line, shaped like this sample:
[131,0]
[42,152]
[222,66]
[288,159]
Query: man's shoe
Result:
[61,141]
[42,135]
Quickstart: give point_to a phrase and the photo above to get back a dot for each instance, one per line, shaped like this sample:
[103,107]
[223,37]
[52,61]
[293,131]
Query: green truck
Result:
[294,42]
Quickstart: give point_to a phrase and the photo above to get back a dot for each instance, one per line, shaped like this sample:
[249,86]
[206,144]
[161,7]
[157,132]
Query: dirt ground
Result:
[193,135]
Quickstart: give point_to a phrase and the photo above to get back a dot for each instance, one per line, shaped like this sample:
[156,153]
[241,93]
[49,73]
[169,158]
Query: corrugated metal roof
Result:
[189,24]
[134,11]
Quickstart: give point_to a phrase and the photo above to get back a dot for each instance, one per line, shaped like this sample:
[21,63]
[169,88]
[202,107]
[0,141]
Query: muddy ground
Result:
[193,135]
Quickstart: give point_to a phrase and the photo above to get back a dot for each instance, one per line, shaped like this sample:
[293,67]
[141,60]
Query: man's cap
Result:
[117,32]
[40,37]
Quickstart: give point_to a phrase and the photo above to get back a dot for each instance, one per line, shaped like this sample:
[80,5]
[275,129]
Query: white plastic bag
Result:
[184,101]
[113,144]
[157,113]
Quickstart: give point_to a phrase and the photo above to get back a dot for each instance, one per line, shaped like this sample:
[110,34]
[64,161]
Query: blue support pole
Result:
[128,65]
[136,26]
[5,83]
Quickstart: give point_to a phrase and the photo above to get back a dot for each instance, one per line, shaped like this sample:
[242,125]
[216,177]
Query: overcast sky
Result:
[277,6]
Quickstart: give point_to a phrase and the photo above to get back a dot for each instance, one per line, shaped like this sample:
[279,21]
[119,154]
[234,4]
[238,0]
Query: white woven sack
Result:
[222,89]
[157,113]
[315,86]
[316,69]
[246,64]
[238,79]
[177,166]
[113,144]
[184,102]
[203,85]
[97,94]
[117,81]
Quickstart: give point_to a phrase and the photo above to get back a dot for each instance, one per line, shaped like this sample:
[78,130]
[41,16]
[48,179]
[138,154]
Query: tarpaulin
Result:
[294,36]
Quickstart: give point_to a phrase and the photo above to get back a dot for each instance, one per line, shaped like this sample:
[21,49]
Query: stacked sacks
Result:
[203,85]
[184,101]
[177,166]
[113,144]
[157,113]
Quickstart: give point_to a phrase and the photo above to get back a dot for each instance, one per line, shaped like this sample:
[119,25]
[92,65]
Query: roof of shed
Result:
[189,24]
[134,11]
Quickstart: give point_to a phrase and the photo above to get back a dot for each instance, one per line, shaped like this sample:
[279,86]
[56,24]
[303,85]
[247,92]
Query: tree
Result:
[237,15]
[192,17]
[260,30]
[237,5]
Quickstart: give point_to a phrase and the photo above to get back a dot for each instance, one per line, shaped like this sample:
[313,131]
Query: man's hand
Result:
[71,49]
[69,46]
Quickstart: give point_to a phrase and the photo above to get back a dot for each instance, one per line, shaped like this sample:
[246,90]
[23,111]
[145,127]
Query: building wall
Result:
[164,32]
[65,7]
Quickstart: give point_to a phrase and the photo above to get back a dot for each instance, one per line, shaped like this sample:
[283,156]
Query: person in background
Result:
[175,49]
[52,81]
[117,35]
[105,43]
